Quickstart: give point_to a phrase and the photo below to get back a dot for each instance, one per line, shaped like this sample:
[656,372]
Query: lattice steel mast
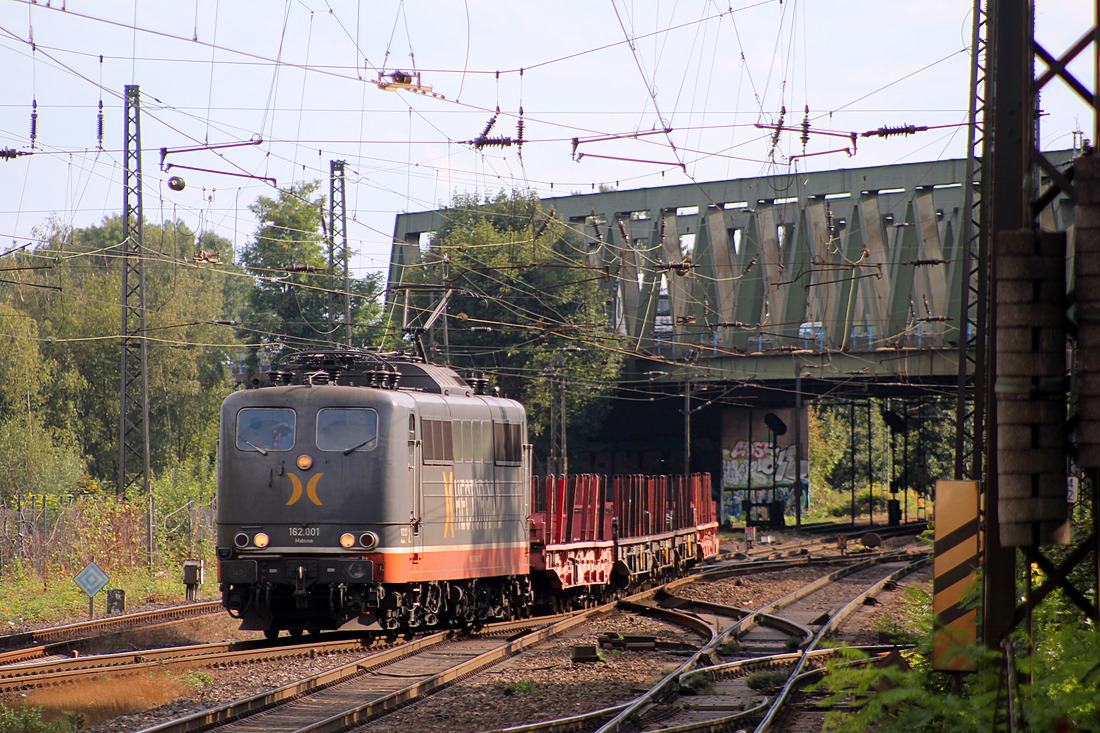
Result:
[338,250]
[133,468]
[1026,412]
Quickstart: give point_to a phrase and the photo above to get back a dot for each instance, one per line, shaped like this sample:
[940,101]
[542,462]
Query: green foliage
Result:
[519,686]
[697,683]
[36,459]
[766,679]
[289,303]
[528,310]
[1058,687]
[66,372]
[196,678]
[834,427]
[184,495]
[29,720]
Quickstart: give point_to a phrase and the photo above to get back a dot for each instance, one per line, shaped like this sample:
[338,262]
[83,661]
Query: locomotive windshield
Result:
[347,429]
[265,428]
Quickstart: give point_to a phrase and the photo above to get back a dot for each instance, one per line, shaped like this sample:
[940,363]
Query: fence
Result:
[43,534]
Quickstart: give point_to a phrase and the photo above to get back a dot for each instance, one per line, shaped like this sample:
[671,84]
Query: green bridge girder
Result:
[851,274]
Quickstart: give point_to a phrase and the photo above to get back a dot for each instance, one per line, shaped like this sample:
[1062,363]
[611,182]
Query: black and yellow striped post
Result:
[954,571]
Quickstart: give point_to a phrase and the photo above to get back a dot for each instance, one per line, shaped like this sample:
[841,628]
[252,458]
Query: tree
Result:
[74,299]
[526,310]
[35,458]
[288,307]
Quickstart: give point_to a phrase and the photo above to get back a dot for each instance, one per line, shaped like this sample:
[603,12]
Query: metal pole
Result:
[134,409]
[870,471]
[852,457]
[564,447]
[905,459]
[748,474]
[687,428]
[1005,190]
[553,466]
[798,449]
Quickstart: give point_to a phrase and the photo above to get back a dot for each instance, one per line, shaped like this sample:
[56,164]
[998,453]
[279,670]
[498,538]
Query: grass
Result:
[56,598]
[107,697]
[697,683]
[519,686]
[768,679]
[828,505]
[29,720]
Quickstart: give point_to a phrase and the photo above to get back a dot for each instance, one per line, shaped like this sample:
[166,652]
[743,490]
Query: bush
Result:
[766,679]
[29,720]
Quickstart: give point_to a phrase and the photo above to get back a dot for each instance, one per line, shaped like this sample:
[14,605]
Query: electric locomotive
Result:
[360,488]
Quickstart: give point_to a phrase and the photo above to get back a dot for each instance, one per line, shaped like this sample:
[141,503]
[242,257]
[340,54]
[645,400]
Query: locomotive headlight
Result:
[241,540]
[347,540]
[261,540]
[305,462]
[369,540]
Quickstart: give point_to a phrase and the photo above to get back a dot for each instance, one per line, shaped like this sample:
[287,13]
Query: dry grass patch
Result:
[106,697]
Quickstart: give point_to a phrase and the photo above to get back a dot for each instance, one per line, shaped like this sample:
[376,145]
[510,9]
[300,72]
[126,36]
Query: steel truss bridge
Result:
[849,281]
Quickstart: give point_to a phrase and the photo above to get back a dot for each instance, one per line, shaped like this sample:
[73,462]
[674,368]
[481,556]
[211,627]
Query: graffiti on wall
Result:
[765,468]
[756,475]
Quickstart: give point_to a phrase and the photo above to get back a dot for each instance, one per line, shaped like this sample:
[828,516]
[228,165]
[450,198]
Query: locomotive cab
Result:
[371,490]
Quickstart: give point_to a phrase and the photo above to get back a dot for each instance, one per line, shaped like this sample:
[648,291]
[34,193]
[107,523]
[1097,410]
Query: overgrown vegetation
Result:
[766,679]
[519,686]
[1053,680]
[50,710]
[697,683]
[20,719]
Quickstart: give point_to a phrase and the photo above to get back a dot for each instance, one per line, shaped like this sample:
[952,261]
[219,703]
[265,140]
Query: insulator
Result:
[622,229]
[99,125]
[778,126]
[489,126]
[489,142]
[519,130]
[34,121]
[806,128]
[545,223]
[887,131]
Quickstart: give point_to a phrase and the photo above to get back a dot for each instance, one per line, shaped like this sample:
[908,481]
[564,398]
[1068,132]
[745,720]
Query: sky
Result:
[299,79]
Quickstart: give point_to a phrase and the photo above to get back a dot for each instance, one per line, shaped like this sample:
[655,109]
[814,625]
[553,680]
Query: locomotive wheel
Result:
[271,634]
[296,633]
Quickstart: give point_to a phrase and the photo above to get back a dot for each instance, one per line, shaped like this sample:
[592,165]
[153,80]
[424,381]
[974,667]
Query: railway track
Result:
[39,643]
[360,692]
[825,537]
[412,671]
[741,643]
[727,700]
[27,676]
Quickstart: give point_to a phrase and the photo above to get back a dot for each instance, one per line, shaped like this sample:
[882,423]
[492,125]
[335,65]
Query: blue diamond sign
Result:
[91,579]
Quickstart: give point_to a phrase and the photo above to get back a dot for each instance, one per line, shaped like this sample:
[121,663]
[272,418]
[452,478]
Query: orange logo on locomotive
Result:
[311,489]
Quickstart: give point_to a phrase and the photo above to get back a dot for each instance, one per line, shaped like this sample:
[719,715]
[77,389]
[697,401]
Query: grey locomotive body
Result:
[371,489]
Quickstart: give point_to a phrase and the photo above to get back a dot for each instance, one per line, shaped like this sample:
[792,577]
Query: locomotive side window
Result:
[438,441]
[486,441]
[507,444]
[347,429]
[460,435]
[262,429]
[477,453]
